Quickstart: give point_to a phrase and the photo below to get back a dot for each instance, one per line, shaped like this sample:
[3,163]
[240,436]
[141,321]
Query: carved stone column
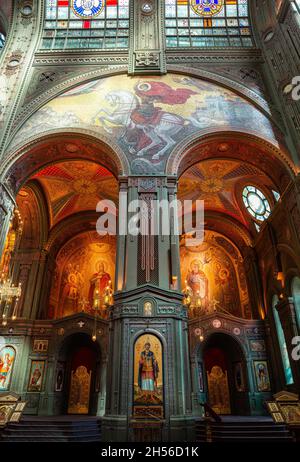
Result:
[287,314]
[146,38]
[148,303]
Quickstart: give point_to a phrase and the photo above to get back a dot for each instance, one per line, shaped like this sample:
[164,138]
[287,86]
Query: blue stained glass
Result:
[218,23]
[106,23]
[2,41]
[282,345]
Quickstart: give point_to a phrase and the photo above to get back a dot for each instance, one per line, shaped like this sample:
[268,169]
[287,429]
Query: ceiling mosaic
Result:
[217,182]
[147,116]
[75,186]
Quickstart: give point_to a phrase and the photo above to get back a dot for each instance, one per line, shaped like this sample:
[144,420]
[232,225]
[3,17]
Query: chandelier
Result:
[9,299]
[10,293]
[101,305]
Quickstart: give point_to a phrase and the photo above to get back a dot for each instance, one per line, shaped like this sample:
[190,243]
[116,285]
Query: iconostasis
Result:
[213,277]
[84,276]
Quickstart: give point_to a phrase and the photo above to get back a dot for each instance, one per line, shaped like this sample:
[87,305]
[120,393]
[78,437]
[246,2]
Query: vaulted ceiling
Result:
[75,186]
[219,183]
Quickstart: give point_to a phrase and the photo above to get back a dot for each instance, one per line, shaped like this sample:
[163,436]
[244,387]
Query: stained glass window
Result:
[282,345]
[2,41]
[207,23]
[93,24]
[256,203]
[276,195]
[296,297]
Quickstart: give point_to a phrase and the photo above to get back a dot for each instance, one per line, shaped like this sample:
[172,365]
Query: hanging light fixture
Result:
[186,295]
[10,293]
[101,302]
[9,299]
[108,295]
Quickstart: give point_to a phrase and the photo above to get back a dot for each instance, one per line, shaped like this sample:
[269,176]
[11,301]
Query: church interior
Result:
[147,337]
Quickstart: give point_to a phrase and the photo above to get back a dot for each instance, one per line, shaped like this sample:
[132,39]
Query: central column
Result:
[146,51]
[288,319]
[148,387]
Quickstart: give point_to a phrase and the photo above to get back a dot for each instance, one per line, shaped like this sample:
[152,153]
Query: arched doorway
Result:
[226,375]
[78,374]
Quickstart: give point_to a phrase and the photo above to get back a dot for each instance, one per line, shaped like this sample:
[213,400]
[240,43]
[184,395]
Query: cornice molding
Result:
[112,150]
[77,57]
[215,55]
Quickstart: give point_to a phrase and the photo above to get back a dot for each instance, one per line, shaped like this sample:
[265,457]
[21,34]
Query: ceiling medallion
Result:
[207,8]
[212,185]
[216,323]
[87,8]
[84,187]
[72,148]
[223,147]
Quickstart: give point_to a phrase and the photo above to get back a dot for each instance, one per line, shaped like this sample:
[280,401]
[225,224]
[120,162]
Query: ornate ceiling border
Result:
[182,150]
[115,153]
[237,229]
[68,228]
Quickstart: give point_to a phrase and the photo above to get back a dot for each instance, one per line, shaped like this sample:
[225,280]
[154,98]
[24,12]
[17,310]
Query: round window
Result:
[256,203]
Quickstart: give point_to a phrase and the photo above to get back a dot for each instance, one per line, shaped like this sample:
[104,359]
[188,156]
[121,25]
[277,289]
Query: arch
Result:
[165,366]
[69,84]
[223,350]
[203,144]
[64,230]
[80,275]
[65,352]
[289,380]
[39,227]
[229,227]
[109,109]
[86,145]
[201,345]
[215,277]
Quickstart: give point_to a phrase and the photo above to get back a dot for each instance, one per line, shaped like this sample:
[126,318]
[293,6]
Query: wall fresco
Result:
[7,359]
[84,269]
[213,279]
[147,116]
